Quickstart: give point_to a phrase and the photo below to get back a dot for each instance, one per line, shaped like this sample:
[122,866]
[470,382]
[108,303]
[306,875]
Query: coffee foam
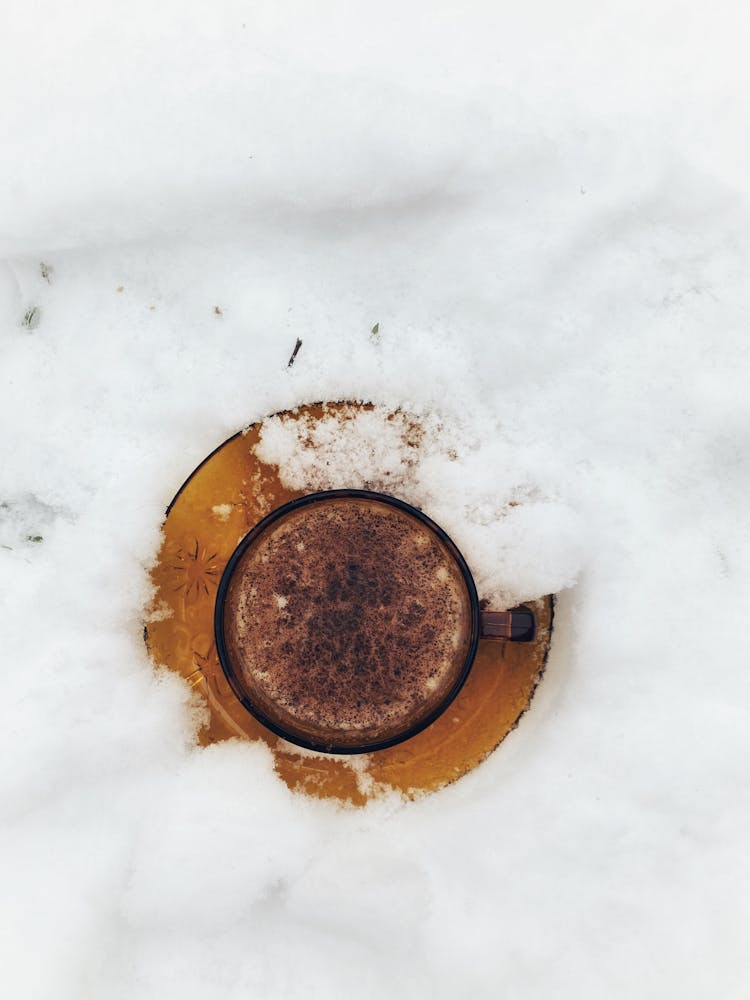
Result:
[347,616]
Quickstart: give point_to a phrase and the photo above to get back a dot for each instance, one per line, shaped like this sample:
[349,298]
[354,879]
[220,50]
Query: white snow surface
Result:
[545,209]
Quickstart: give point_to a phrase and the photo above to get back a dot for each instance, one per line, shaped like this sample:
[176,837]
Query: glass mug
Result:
[347,621]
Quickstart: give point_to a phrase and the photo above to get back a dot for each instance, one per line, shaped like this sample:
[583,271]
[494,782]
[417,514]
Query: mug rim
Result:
[223,588]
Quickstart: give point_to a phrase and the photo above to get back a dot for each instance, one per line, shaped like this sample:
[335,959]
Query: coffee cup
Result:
[347,621]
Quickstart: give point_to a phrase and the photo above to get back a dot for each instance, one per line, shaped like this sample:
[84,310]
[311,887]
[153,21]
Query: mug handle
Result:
[517,625]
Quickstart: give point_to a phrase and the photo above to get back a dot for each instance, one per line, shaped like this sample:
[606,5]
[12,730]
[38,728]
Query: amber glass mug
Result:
[347,621]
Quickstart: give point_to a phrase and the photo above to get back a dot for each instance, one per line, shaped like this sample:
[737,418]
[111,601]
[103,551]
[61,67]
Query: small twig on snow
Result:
[294,352]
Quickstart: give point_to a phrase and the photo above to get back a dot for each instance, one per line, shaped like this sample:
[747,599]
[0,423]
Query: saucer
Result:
[223,499]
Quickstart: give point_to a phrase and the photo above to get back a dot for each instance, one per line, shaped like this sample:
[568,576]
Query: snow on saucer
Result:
[520,541]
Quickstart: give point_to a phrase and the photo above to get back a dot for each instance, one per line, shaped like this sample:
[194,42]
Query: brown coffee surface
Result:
[347,621]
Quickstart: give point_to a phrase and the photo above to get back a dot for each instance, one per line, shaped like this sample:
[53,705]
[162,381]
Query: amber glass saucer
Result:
[226,496]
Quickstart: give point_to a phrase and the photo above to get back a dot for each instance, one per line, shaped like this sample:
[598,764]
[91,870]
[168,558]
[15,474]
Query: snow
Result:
[544,210]
[520,542]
